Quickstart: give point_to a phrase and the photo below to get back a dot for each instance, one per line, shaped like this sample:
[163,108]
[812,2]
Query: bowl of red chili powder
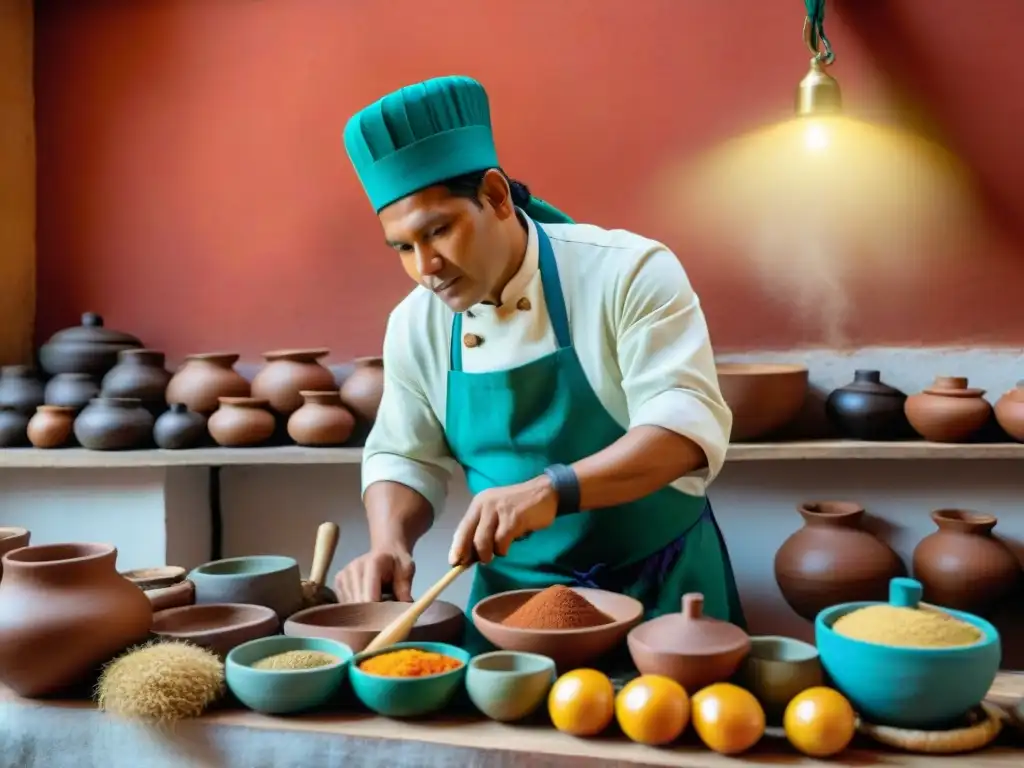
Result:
[571,625]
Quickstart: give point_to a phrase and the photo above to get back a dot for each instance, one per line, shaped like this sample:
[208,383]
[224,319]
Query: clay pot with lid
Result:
[139,373]
[1009,412]
[13,428]
[51,426]
[963,565]
[868,409]
[321,421]
[763,397]
[242,422]
[205,378]
[949,411]
[88,348]
[73,390]
[114,424]
[20,389]
[693,649]
[287,374]
[363,388]
[832,559]
[178,428]
[65,610]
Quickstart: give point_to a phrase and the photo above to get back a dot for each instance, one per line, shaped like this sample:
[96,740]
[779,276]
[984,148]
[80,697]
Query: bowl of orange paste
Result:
[408,679]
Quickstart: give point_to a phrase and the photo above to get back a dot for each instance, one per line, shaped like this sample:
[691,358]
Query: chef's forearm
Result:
[397,514]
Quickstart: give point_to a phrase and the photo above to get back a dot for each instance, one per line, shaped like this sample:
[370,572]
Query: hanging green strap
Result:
[816,38]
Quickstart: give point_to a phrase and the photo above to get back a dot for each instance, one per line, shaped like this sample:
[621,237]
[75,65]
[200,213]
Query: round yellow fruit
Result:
[582,702]
[728,719]
[819,722]
[652,709]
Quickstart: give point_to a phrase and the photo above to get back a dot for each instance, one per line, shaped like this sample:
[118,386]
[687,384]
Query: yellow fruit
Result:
[727,718]
[652,709]
[582,702]
[819,722]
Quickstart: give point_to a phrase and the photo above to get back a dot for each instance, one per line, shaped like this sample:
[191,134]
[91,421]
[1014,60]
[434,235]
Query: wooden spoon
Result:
[399,629]
[313,590]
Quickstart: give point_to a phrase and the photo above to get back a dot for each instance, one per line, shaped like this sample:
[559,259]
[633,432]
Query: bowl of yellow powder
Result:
[906,664]
[409,679]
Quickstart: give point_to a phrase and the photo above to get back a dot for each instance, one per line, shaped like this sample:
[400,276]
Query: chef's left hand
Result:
[498,516]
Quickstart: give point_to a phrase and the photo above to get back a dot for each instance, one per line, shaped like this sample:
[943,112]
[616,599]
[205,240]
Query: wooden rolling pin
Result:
[313,590]
[399,629]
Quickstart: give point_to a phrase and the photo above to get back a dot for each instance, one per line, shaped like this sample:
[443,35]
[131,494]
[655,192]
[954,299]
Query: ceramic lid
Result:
[91,331]
[953,386]
[691,632]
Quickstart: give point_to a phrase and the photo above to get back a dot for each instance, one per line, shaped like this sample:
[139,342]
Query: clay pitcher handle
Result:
[693,605]
[323,552]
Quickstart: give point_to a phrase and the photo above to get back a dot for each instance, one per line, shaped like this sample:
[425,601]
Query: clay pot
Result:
[1009,412]
[140,374]
[51,426]
[763,397]
[241,422]
[178,428]
[10,539]
[363,388]
[867,409]
[74,390]
[948,411]
[114,424]
[321,421]
[64,610]
[288,373]
[963,566]
[13,428]
[833,560]
[88,348]
[692,649]
[20,389]
[203,379]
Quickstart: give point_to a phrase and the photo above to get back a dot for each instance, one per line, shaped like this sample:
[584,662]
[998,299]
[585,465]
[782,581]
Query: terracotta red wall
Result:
[193,187]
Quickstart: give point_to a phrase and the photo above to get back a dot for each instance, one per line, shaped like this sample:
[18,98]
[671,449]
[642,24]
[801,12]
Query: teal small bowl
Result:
[920,688]
[408,696]
[509,685]
[283,691]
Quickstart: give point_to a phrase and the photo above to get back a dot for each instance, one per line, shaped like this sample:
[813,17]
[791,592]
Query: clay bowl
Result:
[220,627]
[155,578]
[12,538]
[567,647]
[763,397]
[267,580]
[356,624]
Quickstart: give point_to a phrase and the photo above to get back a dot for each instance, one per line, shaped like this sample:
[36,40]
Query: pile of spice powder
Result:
[293,660]
[906,627]
[556,607]
[409,662]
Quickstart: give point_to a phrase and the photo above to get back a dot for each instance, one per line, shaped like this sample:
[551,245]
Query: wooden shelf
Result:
[852,449]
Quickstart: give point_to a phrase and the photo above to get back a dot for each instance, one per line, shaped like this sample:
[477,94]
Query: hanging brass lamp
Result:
[818,93]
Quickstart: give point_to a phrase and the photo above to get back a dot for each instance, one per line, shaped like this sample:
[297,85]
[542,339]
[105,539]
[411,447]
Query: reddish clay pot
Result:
[948,411]
[763,397]
[203,379]
[1009,412]
[12,538]
[140,374]
[362,390]
[287,373]
[65,610]
[833,560]
[963,566]
[51,426]
[241,422]
[321,421]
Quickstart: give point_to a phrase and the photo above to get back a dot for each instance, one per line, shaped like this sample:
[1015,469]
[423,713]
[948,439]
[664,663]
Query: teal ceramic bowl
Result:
[281,691]
[921,688]
[408,696]
[509,685]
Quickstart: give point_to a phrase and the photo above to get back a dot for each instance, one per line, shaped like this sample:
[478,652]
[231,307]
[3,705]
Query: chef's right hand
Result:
[369,577]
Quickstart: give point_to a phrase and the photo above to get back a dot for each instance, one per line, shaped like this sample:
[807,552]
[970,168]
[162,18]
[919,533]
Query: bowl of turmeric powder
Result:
[905,663]
[409,679]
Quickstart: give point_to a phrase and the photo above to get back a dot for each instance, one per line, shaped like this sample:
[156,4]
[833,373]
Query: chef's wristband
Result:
[567,486]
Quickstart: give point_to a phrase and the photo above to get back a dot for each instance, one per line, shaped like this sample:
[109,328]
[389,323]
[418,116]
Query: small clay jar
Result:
[948,411]
[114,424]
[363,388]
[287,374]
[73,390]
[241,422]
[867,409]
[963,566]
[20,389]
[321,421]
[139,374]
[178,428]
[13,427]
[51,426]
[11,539]
[87,348]
[203,379]
[1009,412]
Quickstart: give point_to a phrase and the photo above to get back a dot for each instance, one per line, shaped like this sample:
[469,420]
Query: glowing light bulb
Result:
[816,137]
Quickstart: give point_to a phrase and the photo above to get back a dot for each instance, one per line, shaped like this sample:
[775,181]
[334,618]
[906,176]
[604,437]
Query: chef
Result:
[566,368]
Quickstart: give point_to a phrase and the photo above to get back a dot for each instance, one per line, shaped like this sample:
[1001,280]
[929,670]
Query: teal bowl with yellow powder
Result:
[399,696]
[902,682]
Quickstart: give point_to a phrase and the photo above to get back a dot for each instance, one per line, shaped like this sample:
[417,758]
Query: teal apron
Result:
[506,427]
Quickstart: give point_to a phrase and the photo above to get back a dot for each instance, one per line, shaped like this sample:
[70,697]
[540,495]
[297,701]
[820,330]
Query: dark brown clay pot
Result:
[363,388]
[763,397]
[948,411]
[140,374]
[867,409]
[88,348]
[64,610]
[1009,412]
[833,560]
[241,422]
[20,389]
[963,566]
[288,373]
[178,428]
[321,421]
[114,424]
[203,379]
[74,390]
[51,426]
[10,539]
[13,428]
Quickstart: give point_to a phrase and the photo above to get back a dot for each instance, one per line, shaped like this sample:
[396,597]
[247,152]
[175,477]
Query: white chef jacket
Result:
[637,328]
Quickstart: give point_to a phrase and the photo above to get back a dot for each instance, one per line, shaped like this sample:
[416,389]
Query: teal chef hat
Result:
[424,134]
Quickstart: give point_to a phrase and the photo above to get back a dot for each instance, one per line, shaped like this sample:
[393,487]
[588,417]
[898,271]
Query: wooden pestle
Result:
[313,590]
[399,629]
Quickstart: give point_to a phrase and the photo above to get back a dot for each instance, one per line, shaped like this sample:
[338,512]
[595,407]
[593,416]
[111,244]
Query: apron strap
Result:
[455,346]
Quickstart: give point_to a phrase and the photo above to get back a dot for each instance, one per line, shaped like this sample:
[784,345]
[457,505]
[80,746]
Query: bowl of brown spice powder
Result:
[571,625]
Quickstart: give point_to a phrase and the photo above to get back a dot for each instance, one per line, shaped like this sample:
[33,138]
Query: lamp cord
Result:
[814,32]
